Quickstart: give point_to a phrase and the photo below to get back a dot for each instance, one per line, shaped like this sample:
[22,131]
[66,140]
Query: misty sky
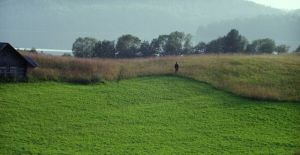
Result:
[281,4]
[55,24]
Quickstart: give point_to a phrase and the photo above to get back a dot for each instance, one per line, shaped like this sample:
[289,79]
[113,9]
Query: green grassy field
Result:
[147,115]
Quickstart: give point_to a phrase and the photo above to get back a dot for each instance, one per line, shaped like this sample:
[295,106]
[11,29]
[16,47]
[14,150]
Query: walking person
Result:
[176,67]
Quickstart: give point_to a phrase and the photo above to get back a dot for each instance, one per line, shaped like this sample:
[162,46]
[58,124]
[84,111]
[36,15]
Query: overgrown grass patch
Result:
[255,76]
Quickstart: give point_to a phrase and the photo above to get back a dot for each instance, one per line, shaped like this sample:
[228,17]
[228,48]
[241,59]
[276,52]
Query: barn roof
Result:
[30,62]
[2,45]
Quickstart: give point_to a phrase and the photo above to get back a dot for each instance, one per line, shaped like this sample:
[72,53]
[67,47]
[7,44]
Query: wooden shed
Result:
[13,64]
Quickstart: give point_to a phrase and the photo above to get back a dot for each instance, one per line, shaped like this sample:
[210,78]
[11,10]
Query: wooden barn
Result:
[13,65]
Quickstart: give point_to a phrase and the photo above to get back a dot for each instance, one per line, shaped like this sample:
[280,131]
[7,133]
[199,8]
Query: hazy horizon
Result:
[58,23]
[279,4]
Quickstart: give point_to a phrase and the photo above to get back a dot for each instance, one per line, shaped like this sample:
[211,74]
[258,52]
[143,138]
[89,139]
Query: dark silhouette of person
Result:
[176,67]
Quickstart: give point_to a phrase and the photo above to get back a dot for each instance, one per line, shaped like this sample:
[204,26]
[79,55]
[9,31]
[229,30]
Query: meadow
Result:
[146,115]
[267,77]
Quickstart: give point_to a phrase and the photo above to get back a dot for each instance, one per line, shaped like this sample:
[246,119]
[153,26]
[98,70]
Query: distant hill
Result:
[284,29]
[55,23]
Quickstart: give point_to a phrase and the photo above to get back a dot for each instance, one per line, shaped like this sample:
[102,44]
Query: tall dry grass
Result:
[259,76]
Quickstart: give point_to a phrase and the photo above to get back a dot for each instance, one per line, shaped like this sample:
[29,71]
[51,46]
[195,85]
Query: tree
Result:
[216,46]
[158,44]
[174,45]
[128,45]
[262,46]
[298,49]
[282,49]
[267,46]
[154,46]
[146,50]
[188,47]
[200,48]
[67,55]
[98,50]
[251,48]
[243,44]
[105,49]
[84,47]
[234,42]
[32,50]
[108,48]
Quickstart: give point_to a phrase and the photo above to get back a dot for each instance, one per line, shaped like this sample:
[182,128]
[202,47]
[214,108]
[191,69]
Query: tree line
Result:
[175,43]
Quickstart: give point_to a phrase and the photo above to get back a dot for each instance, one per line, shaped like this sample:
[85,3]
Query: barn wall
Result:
[13,72]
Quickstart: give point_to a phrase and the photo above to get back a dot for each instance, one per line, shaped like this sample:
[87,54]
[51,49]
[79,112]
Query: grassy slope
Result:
[259,76]
[152,115]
